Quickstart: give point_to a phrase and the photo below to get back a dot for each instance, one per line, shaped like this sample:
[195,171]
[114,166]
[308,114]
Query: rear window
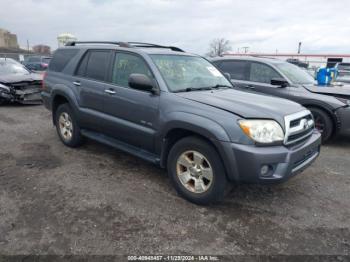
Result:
[61,58]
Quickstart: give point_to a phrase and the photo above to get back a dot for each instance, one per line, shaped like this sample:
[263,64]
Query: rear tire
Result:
[323,123]
[67,126]
[196,171]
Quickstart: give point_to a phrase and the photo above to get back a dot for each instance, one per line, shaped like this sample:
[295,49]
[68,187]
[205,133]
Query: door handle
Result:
[250,87]
[110,91]
[76,83]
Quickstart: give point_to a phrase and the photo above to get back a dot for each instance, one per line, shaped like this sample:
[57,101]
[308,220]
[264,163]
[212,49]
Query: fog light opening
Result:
[265,170]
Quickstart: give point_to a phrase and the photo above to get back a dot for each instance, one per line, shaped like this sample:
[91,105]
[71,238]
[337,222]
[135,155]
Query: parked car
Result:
[329,105]
[343,72]
[176,110]
[18,84]
[37,63]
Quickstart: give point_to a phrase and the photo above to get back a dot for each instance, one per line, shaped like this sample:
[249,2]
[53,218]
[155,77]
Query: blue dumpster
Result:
[326,75]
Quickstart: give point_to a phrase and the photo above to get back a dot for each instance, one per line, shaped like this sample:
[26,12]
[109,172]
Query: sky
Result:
[264,26]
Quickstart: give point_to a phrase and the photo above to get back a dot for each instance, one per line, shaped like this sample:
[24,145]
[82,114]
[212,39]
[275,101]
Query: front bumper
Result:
[26,96]
[283,162]
[343,115]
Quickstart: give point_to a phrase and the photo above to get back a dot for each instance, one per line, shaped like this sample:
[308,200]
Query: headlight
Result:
[262,131]
[4,88]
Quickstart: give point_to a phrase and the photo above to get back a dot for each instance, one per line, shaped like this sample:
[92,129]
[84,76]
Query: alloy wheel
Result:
[194,171]
[65,126]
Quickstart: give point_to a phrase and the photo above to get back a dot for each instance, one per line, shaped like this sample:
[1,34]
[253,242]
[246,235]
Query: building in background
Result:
[65,38]
[42,49]
[8,40]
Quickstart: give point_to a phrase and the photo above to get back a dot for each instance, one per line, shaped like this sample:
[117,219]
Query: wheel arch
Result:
[328,111]
[177,131]
[59,97]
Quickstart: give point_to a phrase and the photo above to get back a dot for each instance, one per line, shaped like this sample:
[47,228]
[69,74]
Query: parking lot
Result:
[97,200]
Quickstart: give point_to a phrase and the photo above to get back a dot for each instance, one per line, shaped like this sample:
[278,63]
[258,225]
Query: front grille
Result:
[299,126]
[296,122]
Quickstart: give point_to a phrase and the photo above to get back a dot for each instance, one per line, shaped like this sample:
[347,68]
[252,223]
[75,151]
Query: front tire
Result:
[196,171]
[323,123]
[67,126]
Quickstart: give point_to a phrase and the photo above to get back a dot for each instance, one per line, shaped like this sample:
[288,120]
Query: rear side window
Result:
[82,65]
[236,69]
[61,58]
[262,73]
[97,65]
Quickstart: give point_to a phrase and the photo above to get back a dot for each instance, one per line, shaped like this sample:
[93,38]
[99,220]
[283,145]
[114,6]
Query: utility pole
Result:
[246,48]
[28,46]
[299,48]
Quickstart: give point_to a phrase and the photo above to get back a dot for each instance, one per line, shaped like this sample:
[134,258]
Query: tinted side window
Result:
[262,73]
[237,69]
[97,65]
[82,65]
[61,58]
[125,65]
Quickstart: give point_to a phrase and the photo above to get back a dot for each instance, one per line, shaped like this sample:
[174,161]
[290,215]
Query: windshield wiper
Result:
[218,86]
[190,89]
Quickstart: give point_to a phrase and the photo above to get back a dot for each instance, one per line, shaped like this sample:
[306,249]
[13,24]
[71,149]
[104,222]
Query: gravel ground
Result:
[98,200]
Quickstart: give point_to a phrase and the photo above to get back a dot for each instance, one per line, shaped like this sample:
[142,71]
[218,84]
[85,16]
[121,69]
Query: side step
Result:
[133,150]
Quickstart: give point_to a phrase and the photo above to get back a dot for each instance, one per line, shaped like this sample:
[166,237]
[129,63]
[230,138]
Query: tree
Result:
[219,46]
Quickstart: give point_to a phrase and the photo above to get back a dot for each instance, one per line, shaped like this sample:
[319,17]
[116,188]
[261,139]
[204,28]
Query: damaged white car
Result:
[18,84]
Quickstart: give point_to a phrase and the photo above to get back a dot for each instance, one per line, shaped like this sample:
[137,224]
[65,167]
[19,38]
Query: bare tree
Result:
[219,46]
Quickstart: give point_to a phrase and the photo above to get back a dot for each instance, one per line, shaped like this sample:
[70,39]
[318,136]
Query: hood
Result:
[245,104]
[15,78]
[343,90]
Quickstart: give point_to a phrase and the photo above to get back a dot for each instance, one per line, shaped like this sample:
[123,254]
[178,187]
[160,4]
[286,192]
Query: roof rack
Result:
[148,45]
[121,44]
[125,44]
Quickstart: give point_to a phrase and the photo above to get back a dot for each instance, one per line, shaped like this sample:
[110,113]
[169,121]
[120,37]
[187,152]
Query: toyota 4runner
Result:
[178,111]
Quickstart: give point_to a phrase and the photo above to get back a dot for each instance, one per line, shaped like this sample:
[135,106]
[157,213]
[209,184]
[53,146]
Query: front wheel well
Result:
[173,136]
[57,101]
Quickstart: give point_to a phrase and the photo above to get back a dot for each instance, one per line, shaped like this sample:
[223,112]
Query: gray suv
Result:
[178,111]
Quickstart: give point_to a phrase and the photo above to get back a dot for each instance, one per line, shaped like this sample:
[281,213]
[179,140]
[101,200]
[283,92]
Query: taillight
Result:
[43,87]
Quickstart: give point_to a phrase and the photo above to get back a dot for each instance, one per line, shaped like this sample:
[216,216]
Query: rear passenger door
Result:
[260,76]
[90,80]
[133,112]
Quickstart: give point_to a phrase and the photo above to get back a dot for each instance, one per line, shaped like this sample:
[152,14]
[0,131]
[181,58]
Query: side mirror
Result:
[279,82]
[141,82]
[227,75]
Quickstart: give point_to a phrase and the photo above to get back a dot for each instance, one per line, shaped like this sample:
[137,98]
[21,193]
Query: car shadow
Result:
[342,141]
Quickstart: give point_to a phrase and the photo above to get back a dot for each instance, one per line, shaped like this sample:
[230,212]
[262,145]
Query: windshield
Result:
[295,74]
[189,73]
[8,66]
